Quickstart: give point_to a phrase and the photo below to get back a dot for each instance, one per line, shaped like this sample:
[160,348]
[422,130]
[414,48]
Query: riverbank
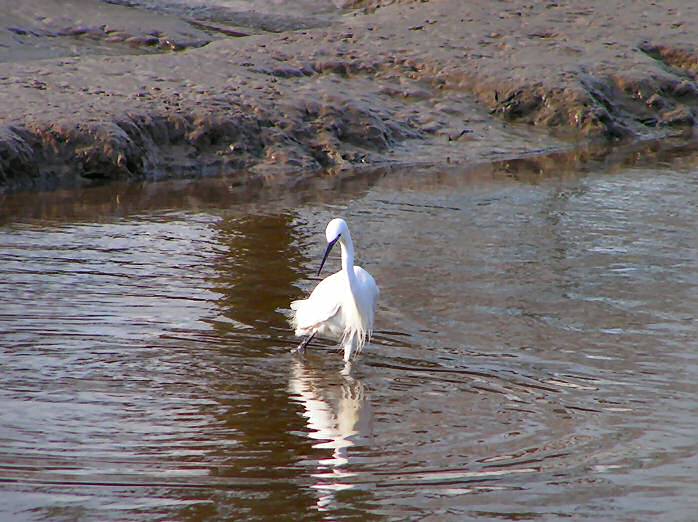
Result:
[98,91]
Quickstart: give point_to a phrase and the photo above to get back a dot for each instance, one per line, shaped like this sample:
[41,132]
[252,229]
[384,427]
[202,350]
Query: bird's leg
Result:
[349,346]
[306,341]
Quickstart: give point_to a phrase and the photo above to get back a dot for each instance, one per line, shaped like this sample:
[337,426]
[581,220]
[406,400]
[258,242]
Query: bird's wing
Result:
[321,305]
[369,288]
[367,283]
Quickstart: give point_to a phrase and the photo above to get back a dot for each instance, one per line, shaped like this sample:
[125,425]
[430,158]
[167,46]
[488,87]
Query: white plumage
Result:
[343,305]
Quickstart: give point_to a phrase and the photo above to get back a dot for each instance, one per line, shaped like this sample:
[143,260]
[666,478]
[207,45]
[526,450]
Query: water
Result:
[536,353]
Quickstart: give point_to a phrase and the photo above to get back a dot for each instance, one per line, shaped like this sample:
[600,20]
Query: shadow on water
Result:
[254,275]
[534,359]
[252,298]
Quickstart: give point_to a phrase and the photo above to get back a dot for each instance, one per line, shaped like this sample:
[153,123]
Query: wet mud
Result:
[124,90]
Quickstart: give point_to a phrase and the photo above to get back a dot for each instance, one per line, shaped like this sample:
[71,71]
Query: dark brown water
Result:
[536,353]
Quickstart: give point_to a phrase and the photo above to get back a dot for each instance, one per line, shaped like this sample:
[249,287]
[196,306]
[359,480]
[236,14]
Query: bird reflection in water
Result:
[339,417]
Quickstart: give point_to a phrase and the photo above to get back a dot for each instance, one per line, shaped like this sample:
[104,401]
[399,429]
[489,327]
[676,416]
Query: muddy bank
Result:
[133,90]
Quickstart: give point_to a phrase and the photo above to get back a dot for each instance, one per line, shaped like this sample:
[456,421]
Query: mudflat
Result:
[94,91]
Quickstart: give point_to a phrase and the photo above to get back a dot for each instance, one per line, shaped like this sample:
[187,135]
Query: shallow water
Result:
[536,353]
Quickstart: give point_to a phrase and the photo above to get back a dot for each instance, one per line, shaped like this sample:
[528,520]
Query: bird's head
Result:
[334,231]
[336,228]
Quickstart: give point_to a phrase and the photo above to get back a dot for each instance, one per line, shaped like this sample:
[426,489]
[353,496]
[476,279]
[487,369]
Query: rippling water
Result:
[536,353]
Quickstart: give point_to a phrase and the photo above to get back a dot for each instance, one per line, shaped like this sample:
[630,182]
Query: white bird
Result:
[343,305]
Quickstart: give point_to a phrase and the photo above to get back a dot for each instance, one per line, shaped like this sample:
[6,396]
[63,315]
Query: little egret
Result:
[341,306]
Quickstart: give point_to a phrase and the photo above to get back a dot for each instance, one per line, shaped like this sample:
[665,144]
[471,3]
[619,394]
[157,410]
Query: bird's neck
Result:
[348,268]
[348,257]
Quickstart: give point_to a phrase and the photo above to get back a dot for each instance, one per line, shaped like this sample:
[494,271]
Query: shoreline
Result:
[123,198]
[407,83]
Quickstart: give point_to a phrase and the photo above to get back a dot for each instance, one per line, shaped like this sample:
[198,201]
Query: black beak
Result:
[327,252]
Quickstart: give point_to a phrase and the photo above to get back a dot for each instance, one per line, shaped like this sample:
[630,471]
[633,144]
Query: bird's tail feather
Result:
[294,320]
[354,341]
